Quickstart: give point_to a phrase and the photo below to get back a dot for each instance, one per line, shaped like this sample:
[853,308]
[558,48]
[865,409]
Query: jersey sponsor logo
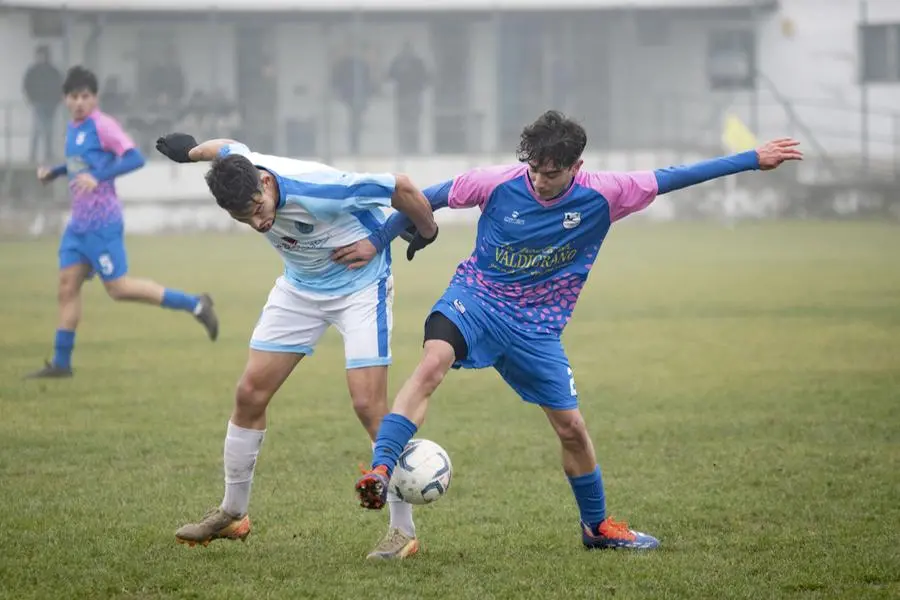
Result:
[571,220]
[303,227]
[79,139]
[514,218]
[312,244]
[534,261]
[287,243]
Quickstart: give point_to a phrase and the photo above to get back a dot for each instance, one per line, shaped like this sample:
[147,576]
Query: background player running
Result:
[305,210]
[541,227]
[98,151]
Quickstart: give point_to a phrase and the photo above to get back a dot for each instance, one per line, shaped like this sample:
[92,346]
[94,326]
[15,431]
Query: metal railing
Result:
[830,132]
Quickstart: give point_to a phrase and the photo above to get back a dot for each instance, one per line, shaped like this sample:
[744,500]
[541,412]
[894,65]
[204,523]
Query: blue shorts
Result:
[102,249]
[533,364]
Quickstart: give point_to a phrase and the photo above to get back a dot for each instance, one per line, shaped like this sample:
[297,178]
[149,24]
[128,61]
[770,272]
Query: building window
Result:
[731,60]
[879,53]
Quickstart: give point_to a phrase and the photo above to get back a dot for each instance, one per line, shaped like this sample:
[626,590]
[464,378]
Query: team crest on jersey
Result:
[79,139]
[303,227]
[571,220]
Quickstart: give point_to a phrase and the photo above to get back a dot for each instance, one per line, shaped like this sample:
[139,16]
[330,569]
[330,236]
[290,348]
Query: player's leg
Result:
[110,260]
[447,340]
[264,373]
[288,329]
[539,371]
[365,321]
[368,391]
[73,271]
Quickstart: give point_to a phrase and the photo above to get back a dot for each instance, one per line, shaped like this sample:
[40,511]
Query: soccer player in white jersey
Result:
[306,210]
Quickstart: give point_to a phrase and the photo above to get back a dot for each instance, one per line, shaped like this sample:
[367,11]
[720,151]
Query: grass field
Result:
[742,386]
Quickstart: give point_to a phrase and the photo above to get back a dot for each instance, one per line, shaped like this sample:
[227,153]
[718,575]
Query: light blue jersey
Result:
[319,209]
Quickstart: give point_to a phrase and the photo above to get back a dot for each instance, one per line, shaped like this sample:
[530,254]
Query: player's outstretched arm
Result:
[766,157]
[409,200]
[628,193]
[183,148]
[209,150]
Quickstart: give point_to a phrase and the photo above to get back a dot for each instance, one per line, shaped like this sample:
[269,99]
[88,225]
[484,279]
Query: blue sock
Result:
[62,348]
[588,490]
[393,435]
[178,300]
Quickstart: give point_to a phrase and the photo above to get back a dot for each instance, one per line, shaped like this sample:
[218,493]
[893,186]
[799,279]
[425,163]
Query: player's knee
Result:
[432,368]
[252,395]
[117,289]
[69,286]
[364,402]
[67,292]
[571,430]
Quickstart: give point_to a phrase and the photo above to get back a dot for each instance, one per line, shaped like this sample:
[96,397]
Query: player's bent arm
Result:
[58,171]
[397,223]
[132,160]
[209,150]
[408,199]
[670,179]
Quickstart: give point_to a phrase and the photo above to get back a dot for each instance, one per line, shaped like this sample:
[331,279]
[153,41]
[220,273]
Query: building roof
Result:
[374,5]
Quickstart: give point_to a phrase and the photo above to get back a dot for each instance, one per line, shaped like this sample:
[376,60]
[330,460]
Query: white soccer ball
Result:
[422,474]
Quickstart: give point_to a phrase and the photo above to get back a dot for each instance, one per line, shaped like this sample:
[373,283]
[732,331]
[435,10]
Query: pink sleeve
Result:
[626,192]
[112,137]
[474,188]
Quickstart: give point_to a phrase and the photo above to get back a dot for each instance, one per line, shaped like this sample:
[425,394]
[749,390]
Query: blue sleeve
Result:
[437,195]
[130,161]
[676,178]
[328,194]
[59,171]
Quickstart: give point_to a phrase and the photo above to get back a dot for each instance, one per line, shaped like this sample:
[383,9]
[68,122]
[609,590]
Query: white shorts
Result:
[293,321]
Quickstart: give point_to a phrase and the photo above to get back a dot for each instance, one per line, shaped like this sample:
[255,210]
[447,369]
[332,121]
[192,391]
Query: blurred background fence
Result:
[433,88]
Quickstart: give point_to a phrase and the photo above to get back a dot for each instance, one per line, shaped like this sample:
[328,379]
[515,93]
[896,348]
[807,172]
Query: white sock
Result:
[401,515]
[241,449]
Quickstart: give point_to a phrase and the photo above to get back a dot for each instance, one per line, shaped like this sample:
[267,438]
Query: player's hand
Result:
[44,175]
[84,183]
[418,242]
[177,146]
[772,154]
[356,255]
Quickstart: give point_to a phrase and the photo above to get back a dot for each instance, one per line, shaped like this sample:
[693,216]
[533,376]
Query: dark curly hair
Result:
[553,139]
[234,182]
[79,78]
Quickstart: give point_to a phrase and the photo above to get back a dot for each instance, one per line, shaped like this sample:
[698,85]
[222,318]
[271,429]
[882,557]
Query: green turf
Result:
[742,387]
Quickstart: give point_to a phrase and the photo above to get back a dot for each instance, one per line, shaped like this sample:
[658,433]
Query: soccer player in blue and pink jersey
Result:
[542,224]
[98,151]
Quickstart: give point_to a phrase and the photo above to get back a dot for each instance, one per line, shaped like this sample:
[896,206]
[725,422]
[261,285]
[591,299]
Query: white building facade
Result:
[640,74]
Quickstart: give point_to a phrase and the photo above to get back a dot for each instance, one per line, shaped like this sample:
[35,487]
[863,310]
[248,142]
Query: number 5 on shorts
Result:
[107,266]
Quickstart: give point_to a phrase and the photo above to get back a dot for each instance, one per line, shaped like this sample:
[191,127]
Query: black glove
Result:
[408,234]
[418,242]
[176,146]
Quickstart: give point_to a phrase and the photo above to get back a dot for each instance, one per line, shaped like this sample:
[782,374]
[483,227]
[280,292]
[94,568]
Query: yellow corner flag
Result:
[737,137]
